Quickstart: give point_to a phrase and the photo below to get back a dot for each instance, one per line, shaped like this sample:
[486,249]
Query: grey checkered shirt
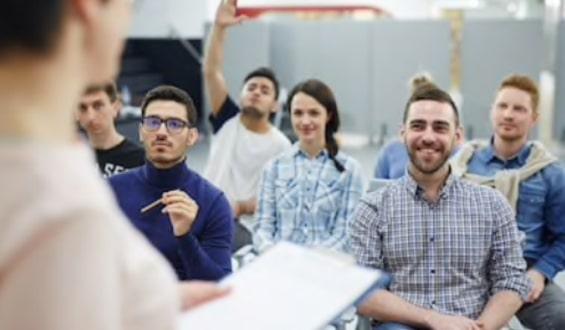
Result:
[450,256]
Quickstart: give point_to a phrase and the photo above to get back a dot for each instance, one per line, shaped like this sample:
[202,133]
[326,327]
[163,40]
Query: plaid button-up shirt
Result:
[450,256]
[307,201]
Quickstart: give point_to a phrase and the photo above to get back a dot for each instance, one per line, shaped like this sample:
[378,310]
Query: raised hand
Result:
[226,15]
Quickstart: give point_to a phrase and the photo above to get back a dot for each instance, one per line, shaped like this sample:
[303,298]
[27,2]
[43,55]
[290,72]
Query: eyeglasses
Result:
[173,125]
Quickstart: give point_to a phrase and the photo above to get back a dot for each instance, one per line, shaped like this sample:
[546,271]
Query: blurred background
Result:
[366,50]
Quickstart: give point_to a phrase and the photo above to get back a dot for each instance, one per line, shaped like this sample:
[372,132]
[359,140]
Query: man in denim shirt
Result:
[539,196]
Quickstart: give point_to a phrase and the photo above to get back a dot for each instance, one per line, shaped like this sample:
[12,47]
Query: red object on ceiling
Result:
[254,12]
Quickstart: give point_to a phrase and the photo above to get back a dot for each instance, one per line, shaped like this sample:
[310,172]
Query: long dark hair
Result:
[324,95]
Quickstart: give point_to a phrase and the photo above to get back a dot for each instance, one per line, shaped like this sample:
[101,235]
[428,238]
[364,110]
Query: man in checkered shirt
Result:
[452,247]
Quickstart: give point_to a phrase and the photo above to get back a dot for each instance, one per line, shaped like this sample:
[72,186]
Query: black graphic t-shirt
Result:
[120,158]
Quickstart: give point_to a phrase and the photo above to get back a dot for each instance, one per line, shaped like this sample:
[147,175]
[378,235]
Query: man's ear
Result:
[535,116]
[117,108]
[460,135]
[139,132]
[276,107]
[192,136]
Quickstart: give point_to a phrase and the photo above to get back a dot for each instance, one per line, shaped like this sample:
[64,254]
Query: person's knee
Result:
[559,318]
[546,313]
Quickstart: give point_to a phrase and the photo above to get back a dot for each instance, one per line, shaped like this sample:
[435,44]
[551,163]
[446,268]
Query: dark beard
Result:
[422,169]
[252,113]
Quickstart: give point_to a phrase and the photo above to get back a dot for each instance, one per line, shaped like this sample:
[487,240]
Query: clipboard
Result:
[287,287]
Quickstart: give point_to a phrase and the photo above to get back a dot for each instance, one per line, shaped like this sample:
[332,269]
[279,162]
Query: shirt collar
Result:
[415,190]
[166,178]
[297,151]
[488,154]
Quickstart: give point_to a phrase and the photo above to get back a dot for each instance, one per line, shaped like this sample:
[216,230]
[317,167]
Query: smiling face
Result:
[430,134]
[163,148]
[512,114]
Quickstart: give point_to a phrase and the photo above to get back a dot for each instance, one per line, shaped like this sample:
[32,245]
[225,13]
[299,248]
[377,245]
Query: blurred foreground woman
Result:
[68,257]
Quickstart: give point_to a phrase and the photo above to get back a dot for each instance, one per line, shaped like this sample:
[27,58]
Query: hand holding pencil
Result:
[181,208]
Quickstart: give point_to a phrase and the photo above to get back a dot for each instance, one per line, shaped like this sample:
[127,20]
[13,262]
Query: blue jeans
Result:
[548,312]
[392,326]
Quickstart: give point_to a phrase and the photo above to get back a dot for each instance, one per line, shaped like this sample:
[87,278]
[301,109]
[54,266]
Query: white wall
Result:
[155,18]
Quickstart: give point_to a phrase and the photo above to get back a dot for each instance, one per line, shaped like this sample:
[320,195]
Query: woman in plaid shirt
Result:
[307,194]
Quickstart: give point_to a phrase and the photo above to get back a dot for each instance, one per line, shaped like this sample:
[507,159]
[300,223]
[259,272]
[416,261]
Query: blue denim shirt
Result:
[540,209]
[392,161]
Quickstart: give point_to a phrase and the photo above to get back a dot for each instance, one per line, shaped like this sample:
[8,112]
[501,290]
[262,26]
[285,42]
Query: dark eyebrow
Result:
[440,123]
[416,121]
[164,118]
[520,107]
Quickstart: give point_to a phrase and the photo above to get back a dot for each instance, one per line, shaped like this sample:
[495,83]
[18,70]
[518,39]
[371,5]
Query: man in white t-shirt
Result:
[244,138]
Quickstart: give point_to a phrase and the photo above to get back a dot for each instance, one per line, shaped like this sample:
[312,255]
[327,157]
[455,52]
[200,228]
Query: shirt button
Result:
[433,302]
[433,271]
[432,239]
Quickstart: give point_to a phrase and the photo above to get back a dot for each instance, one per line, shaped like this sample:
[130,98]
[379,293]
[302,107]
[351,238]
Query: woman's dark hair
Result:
[30,25]
[324,95]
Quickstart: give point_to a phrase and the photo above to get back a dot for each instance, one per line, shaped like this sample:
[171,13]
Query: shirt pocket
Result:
[531,200]
[329,204]
[469,246]
[287,194]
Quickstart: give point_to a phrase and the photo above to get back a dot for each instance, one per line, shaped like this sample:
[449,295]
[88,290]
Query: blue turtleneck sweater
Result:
[204,252]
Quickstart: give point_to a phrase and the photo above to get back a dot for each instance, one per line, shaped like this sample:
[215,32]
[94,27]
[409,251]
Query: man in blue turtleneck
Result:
[192,225]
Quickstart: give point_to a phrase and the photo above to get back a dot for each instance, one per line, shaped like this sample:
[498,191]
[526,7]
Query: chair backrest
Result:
[375,184]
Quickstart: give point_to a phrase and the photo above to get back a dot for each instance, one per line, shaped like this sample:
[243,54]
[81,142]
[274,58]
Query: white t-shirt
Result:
[69,259]
[237,157]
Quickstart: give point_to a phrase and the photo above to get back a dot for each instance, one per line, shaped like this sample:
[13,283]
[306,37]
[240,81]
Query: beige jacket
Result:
[507,181]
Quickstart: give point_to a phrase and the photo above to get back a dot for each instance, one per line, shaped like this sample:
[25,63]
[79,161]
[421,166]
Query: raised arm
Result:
[215,81]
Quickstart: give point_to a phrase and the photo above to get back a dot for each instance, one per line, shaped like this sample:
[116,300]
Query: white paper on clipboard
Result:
[288,287]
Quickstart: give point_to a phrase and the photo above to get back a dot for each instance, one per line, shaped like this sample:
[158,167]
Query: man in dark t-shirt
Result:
[97,110]
[120,158]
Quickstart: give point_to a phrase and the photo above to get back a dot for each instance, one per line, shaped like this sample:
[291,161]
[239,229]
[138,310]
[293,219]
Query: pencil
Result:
[151,206]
